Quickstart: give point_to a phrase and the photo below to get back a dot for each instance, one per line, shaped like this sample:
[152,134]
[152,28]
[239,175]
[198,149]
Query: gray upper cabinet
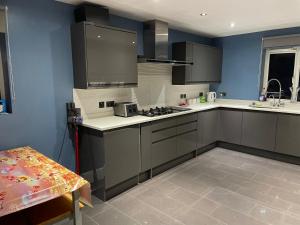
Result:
[208,123]
[207,63]
[259,130]
[230,126]
[103,56]
[287,137]
[122,155]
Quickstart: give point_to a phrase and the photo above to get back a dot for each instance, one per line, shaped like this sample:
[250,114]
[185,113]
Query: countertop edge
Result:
[193,110]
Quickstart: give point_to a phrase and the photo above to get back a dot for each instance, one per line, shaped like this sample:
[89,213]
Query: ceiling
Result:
[224,17]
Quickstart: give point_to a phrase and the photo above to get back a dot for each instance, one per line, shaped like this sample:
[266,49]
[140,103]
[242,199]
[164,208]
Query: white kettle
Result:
[211,96]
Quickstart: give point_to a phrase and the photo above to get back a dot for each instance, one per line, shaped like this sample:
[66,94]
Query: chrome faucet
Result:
[279,93]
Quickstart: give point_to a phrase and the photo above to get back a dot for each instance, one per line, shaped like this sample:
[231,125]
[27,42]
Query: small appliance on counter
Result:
[2,106]
[202,98]
[211,97]
[125,109]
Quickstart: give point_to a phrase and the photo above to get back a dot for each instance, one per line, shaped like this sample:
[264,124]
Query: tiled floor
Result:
[217,188]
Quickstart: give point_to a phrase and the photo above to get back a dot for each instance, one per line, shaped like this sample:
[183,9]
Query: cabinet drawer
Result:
[162,124]
[187,127]
[163,134]
[186,143]
[163,151]
[186,119]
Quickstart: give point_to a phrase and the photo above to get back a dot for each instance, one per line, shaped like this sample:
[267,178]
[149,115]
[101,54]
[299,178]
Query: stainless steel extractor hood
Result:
[156,44]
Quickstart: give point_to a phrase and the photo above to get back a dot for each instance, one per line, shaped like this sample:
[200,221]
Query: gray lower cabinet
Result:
[230,126]
[259,130]
[165,140]
[287,135]
[146,142]
[187,138]
[186,143]
[208,123]
[122,160]
[163,151]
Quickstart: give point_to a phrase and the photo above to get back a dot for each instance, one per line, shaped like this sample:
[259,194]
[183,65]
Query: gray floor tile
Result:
[113,217]
[269,199]
[277,182]
[193,217]
[128,205]
[232,200]
[184,196]
[205,205]
[267,215]
[161,202]
[220,187]
[98,207]
[85,221]
[234,218]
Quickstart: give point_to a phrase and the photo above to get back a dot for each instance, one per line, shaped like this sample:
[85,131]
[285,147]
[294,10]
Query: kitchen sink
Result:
[263,105]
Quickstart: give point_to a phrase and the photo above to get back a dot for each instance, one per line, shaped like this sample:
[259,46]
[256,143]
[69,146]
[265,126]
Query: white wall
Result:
[154,89]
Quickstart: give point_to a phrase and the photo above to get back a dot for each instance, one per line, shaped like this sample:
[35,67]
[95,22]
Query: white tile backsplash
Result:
[154,89]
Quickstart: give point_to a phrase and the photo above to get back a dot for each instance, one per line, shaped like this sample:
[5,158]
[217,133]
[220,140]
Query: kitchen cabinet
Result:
[206,67]
[287,135]
[187,134]
[146,142]
[96,52]
[230,126]
[122,159]
[259,130]
[208,122]
[163,151]
[165,140]
[163,145]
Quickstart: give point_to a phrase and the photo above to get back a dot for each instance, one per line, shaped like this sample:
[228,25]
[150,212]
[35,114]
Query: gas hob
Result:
[159,111]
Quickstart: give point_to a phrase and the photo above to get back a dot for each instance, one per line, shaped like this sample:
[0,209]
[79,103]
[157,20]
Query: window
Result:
[282,64]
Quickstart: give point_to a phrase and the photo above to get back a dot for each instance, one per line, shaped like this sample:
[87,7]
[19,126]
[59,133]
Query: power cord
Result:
[62,144]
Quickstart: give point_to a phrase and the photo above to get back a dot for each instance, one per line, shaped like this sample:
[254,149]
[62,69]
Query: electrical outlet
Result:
[222,94]
[101,105]
[110,103]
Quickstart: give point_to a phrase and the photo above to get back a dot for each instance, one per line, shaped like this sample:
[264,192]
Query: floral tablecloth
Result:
[28,178]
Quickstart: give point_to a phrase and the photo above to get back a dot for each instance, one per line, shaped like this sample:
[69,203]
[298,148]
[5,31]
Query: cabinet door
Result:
[146,142]
[163,151]
[208,127]
[107,47]
[207,64]
[287,137]
[259,130]
[122,159]
[230,126]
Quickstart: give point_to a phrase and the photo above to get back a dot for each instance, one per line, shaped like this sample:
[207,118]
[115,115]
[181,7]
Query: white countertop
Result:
[112,122]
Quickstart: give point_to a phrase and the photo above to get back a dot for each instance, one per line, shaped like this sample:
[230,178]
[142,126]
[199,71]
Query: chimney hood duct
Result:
[156,44]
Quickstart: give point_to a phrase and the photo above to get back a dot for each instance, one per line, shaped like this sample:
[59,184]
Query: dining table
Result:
[29,178]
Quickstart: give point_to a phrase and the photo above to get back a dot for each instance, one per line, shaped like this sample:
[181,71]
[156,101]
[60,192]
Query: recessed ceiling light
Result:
[203,14]
[232,24]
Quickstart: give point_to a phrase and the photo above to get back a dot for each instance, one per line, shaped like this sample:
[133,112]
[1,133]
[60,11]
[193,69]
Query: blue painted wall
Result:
[241,70]
[43,80]
[43,75]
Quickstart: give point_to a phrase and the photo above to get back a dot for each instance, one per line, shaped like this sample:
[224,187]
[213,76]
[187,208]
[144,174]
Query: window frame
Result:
[296,74]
